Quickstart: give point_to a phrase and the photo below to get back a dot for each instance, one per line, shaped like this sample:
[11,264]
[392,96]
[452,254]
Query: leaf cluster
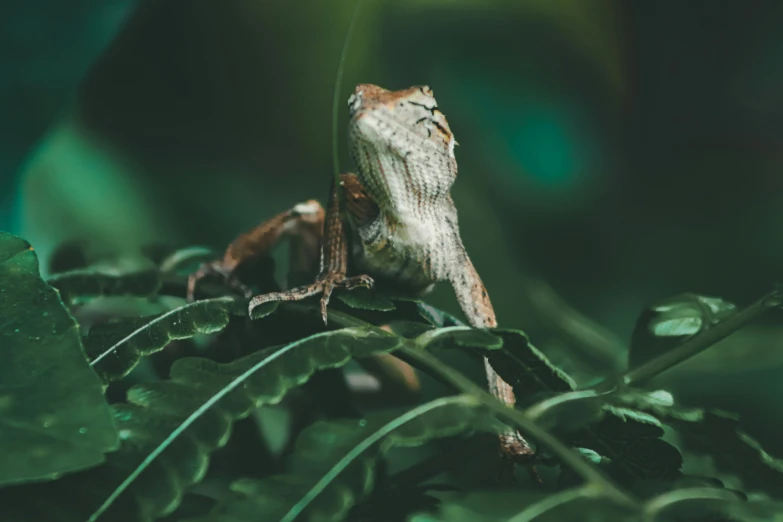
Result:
[167,410]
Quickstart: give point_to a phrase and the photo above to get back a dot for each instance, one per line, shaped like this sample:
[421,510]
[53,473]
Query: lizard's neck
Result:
[406,183]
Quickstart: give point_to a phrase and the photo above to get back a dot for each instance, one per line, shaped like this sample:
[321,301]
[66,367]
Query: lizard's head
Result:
[400,120]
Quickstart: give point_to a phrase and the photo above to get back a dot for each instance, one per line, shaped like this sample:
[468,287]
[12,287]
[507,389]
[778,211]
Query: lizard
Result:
[399,225]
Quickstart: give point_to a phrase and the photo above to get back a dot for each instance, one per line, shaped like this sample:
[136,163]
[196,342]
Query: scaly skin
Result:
[402,220]
[404,150]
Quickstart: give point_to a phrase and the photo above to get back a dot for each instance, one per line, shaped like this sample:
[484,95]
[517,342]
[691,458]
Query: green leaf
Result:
[512,355]
[407,308]
[529,371]
[170,428]
[332,467]
[630,438]
[264,310]
[568,411]
[366,299]
[187,260]
[53,416]
[671,321]
[85,283]
[718,434]
[115,348]
[632,423]
[409,329]
[435,316]
[460,337]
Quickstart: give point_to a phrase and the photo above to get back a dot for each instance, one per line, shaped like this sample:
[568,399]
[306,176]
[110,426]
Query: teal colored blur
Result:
[612,152]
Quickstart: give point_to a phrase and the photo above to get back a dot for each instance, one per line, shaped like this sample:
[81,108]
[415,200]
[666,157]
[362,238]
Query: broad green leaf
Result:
[89,283]
[630,438]
[671,321]
[170,428]
[718,434]
[632,423]
[115,348]
[333,465]
[53,416]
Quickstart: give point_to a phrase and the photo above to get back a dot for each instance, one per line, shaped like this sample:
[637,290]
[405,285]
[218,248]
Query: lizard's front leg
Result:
[304,221]
[334,264]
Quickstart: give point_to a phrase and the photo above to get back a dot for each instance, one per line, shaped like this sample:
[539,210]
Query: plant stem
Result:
[698,343]
[432,365]
[336,95]
[517,418]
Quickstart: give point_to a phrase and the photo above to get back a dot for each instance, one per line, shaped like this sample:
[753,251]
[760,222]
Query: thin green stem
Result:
[360,448]
[657,505]
[518,419]
[336,96]
[699,342]
[550,502]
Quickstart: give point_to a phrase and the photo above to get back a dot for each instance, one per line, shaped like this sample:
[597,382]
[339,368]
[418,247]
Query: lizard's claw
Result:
[514,451]
[215,268]
[323,285]
[345,283]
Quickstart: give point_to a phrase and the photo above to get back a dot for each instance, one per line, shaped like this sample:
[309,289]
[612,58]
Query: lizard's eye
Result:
[425,90]
[353,102]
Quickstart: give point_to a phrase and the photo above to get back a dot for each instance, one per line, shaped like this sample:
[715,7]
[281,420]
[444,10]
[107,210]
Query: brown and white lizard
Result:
[401,221]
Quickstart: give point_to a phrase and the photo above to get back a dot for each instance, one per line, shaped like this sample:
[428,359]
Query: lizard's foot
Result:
[514,451]
[216,268]
[324,285]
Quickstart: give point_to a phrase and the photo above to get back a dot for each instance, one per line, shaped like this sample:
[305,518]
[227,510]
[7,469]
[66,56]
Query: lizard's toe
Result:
[219,269]
[206,269]
[324,285]
[350,283]
[261,299]
[329,282]
[328,287]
